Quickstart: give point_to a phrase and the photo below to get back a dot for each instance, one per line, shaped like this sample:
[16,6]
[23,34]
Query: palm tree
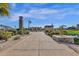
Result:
[4,9]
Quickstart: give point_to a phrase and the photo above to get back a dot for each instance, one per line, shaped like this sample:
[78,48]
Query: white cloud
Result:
[46,13]
[51,13]
[43,11]
[15,16]
[36,13]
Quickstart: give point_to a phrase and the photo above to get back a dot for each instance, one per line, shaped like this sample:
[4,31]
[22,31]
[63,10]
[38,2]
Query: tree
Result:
[62,29]
[63,26]
[4,9]
[72,28]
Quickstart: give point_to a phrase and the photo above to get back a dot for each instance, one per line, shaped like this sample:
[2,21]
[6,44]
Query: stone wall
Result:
[64,38]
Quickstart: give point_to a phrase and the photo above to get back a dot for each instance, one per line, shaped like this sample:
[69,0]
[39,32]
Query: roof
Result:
[49,26]
[6,27]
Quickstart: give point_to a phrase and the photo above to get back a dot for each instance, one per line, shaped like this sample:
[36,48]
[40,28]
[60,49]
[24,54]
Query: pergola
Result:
[4,27]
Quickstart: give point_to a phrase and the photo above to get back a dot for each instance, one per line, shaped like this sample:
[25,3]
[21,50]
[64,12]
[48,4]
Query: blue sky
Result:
[42,14]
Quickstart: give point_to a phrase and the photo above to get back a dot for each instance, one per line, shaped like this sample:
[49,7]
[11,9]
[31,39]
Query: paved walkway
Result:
[38,44]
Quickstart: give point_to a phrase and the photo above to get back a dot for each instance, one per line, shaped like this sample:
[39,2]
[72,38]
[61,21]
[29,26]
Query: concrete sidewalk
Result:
[38,44]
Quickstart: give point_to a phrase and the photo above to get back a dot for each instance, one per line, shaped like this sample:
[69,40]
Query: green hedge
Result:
[76,41]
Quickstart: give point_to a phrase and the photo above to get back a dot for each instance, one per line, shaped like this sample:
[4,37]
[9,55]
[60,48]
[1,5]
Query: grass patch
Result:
[71,32]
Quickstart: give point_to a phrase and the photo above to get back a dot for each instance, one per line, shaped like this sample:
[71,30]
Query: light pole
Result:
[29,23]
[15,30]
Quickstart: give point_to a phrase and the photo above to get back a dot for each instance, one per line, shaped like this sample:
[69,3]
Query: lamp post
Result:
[29,23]
[15,30]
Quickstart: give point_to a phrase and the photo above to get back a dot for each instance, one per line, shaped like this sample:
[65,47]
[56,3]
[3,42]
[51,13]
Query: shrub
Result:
[56,32]
[49,32]
[5,35]
[14,32]
[76,41]
[16,37]
[20,32]
[26,31]
[46,31]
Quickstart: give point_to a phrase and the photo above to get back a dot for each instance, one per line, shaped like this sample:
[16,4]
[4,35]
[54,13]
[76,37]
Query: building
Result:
[77,27]
[20,22]
[71,28]
[35,28]
[48,27]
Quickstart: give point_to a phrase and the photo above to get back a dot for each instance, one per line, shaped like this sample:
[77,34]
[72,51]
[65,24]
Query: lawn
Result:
[72,32]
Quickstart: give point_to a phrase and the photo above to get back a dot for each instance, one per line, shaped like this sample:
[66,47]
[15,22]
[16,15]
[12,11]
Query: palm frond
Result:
[4,9]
